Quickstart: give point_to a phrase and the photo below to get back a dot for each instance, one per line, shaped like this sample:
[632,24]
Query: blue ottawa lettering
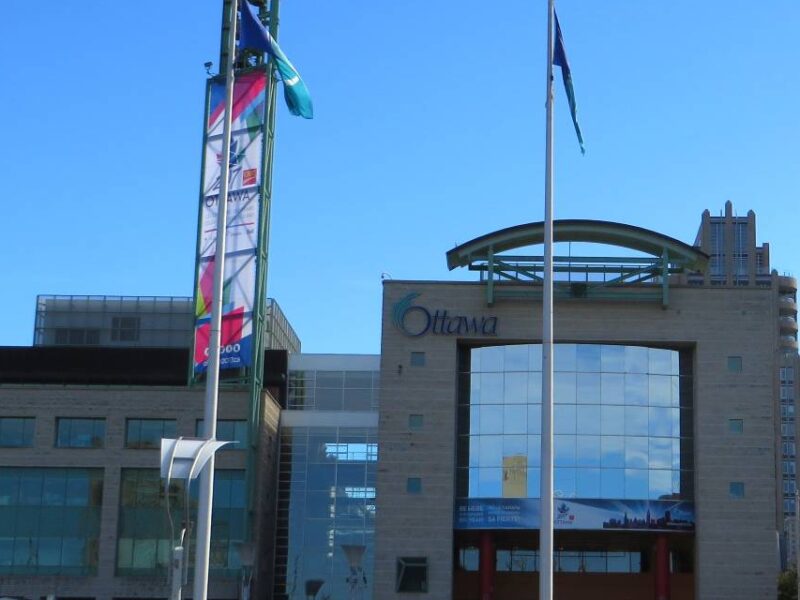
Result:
[438,322]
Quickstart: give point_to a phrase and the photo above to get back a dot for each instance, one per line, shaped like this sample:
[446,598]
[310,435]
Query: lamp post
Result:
[183,458]
[247,552]
[313,587]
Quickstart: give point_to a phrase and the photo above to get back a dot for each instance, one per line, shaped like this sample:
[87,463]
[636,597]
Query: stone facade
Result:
[736,551]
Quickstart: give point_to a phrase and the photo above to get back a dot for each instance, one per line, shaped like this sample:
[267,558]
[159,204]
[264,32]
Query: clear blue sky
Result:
[429,130]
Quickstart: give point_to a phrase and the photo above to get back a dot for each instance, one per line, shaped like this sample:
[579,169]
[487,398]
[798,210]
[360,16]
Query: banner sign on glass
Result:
[524,513]
[243,218]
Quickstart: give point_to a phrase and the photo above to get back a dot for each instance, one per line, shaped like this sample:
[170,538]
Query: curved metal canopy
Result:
[578,230]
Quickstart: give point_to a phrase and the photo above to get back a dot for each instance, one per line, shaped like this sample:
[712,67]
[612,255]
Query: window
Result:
[147,433]
[414,485]
[228,430]
[417,359]
[789,487]
[519,560]
[788,506]
[735,364]
[789,467]
[16,432]
[735,425]
[412,574]
[736,489]
[50,520]
[125,329]
[468,558]
[77,336]
[787,430]
[80,433]
[415,422]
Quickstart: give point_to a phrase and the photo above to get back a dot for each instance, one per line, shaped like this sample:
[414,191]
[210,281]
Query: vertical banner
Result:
[243,224]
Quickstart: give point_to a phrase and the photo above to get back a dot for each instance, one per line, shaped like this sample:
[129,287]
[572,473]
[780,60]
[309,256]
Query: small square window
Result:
[735,425]
[125,329]
[415,422]
[417,359]
[412,574]
[736,489]
[735,364]
[414,485]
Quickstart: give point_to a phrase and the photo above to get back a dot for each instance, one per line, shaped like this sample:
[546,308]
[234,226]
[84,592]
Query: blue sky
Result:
[428,131]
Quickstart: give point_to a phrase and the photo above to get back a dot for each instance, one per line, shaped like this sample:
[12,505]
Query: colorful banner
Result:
[243,222]
[524,513]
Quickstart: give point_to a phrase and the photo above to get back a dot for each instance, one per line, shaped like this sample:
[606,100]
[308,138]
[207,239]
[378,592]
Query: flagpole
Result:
[205,501]
[546,487]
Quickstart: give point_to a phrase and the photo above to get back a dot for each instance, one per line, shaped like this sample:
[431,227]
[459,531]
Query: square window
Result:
[412,574]
[735,364]
[414,485]
[417,359]
[125,329]
[415,422]
[735,425]
[736,489]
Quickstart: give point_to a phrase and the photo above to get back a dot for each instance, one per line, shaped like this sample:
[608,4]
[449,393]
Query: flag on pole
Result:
[255,36]
[560,59]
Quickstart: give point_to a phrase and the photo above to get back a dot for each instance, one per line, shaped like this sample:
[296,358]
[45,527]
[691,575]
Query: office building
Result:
[666,421]
[416,472]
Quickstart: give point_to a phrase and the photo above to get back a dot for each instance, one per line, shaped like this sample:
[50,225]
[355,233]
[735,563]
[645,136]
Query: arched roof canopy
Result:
[578,230]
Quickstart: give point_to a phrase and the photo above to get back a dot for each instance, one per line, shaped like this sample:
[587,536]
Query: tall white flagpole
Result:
[546,487]
[212,372]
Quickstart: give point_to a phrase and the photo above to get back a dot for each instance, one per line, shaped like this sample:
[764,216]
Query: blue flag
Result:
[253,35]
[560,59]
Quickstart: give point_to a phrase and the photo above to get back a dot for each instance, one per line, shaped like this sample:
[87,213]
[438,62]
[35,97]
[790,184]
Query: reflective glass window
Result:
[16,432]
[147,433]
[228,430]
[326,509]
[617,422]
[80,433]
[41,524]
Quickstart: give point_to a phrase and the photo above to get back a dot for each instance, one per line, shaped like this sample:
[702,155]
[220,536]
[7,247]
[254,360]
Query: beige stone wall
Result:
[736,552]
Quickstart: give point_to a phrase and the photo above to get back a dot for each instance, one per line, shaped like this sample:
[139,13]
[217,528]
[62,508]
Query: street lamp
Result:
[183,458]
[247,556]
[357,580]
[312,587]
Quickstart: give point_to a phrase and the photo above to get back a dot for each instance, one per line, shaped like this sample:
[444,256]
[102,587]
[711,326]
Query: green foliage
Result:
[787,585]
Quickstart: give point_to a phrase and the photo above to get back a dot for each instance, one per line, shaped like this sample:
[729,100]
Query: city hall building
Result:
[416,473]
[667,471]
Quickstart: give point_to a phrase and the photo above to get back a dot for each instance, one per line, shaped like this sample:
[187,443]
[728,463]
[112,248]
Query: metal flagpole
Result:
[212,371]
[546,487]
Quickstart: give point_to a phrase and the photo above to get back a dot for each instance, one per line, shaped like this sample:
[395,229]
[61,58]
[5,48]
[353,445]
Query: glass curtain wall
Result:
[326,512]
[622,423]
[333,390]
[143,546]
[49,520]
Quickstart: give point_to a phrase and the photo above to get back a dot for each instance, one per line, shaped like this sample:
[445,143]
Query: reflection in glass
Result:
[616,421]
[564,419]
